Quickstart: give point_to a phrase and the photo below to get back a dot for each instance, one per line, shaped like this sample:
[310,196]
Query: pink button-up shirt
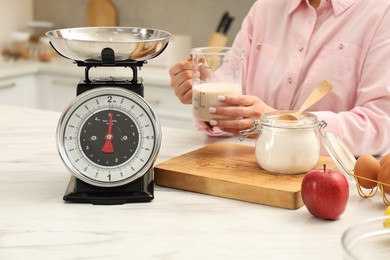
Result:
[290,47]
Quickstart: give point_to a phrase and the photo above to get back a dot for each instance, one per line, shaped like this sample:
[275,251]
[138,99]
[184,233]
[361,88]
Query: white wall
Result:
[197,18]
[14,15]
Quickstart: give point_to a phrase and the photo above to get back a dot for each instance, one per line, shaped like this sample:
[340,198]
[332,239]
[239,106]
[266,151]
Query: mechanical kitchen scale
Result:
[109,136]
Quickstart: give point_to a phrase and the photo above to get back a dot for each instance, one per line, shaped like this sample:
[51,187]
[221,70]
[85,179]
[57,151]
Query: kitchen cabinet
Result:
[56,91]
[167,106]
[19,91]
[52,86]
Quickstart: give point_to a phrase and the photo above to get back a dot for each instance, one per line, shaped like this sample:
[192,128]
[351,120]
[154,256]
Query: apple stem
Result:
[324,167]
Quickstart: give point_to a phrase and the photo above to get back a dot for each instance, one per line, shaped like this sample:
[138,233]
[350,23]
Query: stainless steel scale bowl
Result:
[128,43]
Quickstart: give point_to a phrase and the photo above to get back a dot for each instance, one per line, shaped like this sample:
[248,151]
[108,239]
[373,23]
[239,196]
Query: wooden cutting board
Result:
[231,171]
[101,13]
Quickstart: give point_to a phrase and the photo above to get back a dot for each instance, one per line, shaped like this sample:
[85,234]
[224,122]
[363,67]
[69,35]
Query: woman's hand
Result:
[181,81]
[245,108]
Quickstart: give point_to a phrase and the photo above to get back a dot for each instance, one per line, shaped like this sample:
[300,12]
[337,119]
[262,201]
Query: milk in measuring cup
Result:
[216,71]
[206,95]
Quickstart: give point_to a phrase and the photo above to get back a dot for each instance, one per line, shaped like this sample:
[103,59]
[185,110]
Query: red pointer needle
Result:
[108,148]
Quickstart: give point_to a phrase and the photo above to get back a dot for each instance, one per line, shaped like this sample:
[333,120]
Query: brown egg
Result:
[384,159]
[368,167]
[384,176]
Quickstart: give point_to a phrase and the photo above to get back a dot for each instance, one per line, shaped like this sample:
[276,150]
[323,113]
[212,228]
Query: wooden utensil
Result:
[320,91]
[219,38]
[231,171]
[101,13]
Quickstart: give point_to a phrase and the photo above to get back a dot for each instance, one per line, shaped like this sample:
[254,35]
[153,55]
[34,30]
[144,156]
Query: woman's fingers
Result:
[184,92]
[233,126]
[238,100]
[179,67]
[245,110]
[181,81]
[238,111]
[244,106]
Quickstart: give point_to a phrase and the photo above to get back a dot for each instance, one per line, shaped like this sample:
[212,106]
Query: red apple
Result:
[325,193]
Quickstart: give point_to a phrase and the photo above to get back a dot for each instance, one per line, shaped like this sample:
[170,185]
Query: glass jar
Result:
[287,146]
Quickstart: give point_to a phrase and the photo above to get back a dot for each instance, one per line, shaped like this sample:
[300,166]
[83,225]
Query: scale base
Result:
[140,190]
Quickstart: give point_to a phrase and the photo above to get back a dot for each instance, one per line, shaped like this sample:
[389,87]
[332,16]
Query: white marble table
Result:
[35,223]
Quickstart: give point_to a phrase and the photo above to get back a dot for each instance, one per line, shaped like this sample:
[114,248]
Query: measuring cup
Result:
[216,71]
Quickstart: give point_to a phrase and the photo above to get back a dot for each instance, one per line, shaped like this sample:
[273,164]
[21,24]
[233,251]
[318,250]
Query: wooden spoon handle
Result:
[318,93]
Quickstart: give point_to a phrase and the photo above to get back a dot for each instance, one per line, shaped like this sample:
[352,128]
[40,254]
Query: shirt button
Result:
[258,46]
[301,49]
[290,80]
[341,46]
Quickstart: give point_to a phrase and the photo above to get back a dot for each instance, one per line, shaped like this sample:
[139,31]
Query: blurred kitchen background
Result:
[32,75]
[196,18]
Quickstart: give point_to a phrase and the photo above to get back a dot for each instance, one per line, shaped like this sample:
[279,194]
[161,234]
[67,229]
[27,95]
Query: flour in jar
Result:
[287,150]
[206,95]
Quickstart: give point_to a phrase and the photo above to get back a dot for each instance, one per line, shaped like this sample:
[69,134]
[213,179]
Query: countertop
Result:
[35,223]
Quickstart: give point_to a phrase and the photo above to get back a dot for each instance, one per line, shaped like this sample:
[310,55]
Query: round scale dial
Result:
[108,137]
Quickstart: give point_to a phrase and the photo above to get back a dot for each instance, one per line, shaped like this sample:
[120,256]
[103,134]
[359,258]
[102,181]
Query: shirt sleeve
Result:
[365,128]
